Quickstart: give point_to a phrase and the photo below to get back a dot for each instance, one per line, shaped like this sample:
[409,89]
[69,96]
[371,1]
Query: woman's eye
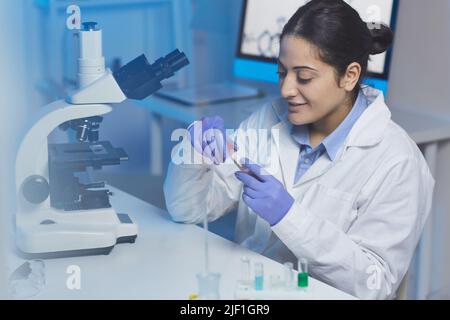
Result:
[303,81]
[281,74]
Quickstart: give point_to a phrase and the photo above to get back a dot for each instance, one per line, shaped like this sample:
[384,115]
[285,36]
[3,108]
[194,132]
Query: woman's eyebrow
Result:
[303,67]
[296,67]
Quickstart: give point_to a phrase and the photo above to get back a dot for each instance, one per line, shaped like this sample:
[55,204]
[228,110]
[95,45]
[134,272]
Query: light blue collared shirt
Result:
[331,143]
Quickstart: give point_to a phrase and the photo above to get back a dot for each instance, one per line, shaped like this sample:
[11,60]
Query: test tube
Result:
[289,275]
[275,281]
[259,276]
[245,270]
[302,276]
[232,155]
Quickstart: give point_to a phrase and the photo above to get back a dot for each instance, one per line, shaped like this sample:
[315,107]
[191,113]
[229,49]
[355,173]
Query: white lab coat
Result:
[357,220]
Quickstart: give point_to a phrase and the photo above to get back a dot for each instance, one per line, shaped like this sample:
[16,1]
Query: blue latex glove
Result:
[264,194]
[208,138]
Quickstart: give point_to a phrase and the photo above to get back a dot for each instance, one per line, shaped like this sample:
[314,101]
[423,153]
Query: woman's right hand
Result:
[208,138]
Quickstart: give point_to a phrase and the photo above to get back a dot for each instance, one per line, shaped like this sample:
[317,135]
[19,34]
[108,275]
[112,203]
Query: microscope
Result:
[56,214]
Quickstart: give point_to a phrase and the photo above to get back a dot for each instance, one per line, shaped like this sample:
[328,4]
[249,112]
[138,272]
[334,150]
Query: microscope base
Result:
[82,233]
[76,253]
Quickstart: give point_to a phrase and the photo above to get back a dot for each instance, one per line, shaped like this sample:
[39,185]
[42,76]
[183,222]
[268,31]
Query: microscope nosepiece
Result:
[87,128]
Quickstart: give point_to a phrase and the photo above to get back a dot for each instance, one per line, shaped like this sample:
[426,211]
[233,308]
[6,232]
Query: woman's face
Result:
[309,85]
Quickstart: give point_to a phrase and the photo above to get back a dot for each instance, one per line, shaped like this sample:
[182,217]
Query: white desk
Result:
[161,264]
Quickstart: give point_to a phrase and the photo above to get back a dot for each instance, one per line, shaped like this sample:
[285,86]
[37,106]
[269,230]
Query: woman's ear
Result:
[351,76]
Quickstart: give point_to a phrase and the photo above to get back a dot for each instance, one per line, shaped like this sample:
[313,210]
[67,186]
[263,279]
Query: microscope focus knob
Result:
[35,189]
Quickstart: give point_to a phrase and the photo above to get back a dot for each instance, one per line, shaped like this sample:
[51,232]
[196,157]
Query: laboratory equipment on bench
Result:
[208,286]
[294,285]
[245,272]
[27,280]
[302,276]
[259,276]
[57,215]
[208,282]
[289,273]
[245,283]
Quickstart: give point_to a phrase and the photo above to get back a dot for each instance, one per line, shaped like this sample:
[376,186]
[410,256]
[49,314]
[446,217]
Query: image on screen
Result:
[263,21]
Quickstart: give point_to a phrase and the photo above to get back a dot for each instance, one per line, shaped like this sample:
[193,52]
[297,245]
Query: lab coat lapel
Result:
[322,165]
[370,127]
[288,151]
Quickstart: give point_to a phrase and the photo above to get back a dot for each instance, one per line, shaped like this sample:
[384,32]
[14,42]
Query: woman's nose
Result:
[288,88]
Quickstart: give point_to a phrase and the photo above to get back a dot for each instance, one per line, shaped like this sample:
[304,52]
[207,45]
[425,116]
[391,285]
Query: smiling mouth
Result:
[296,106]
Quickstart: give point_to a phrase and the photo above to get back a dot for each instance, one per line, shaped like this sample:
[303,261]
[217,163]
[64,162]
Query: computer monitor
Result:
[262,22]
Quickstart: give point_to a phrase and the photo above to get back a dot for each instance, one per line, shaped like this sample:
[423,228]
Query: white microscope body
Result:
[43,229]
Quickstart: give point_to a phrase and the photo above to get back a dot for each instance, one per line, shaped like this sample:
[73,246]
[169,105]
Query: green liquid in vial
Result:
[302,280]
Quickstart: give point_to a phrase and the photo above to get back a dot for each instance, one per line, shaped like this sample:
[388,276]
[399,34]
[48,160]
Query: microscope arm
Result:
[103,90]
[34,145]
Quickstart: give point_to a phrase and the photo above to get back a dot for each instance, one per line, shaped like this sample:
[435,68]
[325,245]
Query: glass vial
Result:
[259,276]
[245,270]
[302,276]
[289,282]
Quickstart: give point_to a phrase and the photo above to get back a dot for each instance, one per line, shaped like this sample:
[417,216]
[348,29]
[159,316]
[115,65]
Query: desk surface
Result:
[421,126]
[161,264]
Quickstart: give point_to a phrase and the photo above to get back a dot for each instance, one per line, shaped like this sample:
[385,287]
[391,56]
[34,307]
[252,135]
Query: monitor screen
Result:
[263,20]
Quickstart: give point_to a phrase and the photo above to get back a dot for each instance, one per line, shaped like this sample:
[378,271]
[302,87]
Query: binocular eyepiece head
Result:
[139,79]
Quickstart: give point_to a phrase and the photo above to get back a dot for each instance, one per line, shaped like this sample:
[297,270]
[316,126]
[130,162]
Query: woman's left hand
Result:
[264,194]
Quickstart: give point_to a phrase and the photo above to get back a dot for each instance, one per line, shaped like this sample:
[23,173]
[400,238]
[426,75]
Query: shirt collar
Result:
[334,141]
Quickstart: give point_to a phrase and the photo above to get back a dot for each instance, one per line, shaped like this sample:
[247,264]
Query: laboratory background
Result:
[221,57]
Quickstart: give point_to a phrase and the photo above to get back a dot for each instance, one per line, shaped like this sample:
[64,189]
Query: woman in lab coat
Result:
[343,186]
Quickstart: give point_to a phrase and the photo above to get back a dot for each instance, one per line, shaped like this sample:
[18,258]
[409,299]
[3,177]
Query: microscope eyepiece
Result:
[176,60]
[139,79]
[167,66]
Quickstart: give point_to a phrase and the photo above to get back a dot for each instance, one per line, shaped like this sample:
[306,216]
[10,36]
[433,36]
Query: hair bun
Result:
[382,37]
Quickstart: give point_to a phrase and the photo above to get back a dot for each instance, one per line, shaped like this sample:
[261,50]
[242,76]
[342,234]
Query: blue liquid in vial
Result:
[259,281]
